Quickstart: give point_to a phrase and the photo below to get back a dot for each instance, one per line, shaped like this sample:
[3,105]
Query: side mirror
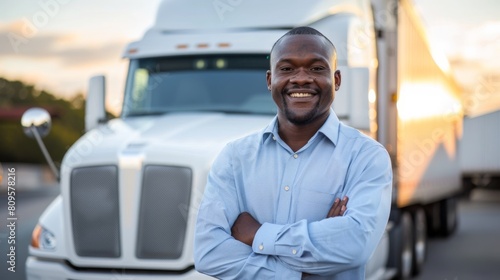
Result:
[95,111]
[36,118]
[36,124]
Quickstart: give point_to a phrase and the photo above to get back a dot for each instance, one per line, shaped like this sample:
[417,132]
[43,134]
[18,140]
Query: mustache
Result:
[306,89]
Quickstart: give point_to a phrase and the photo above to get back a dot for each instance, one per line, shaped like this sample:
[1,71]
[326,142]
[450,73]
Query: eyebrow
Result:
[313,60]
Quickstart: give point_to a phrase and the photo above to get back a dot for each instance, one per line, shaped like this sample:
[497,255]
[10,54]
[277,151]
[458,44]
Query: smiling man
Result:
[301,83]
[307,197]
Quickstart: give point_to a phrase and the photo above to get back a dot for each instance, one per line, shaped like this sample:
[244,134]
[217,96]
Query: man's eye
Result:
[318,68]
[286,69]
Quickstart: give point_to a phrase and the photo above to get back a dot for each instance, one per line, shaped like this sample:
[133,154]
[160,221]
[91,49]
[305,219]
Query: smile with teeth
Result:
[300,94]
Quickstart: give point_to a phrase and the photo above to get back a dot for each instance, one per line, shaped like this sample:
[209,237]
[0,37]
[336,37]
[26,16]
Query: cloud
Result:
[19,40]
[80,56]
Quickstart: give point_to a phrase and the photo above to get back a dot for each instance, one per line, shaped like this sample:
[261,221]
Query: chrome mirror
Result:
[36,124]
[36,118]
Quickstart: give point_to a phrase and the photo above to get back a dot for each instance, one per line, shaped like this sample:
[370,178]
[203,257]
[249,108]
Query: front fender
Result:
[52,220]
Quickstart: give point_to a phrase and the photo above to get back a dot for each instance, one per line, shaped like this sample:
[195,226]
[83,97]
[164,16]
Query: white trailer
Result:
[131,186]
[479,153]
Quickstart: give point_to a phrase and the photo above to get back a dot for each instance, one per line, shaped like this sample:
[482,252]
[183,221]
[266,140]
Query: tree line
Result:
[67,123]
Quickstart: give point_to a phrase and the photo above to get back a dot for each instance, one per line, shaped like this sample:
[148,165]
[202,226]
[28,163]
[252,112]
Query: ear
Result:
[268,78]
[338,79]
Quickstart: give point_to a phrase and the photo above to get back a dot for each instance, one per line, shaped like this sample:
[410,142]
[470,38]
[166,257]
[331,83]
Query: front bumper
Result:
[43,269]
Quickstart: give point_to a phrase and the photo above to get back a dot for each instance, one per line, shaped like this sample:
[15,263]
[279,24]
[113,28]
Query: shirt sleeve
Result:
[216,252]
[333,245]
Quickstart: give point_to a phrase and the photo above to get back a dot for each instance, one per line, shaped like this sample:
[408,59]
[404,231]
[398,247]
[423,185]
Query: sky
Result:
[58,45]
[464,28]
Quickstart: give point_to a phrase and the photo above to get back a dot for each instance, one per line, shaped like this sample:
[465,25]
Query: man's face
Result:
[301,80]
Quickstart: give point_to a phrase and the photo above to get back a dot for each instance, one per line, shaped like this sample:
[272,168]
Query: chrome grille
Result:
[165,196]
[95,211]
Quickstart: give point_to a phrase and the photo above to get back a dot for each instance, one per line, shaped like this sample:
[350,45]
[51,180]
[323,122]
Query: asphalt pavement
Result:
[29,205]
[473,252]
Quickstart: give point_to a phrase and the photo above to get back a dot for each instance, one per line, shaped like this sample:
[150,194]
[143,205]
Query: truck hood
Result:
[140,150]
[161,139]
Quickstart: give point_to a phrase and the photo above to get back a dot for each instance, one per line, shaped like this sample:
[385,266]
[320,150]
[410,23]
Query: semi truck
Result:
[479,155]
[131,186]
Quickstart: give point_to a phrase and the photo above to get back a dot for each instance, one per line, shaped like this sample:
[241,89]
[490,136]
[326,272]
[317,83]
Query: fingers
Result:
[334,208]
[343,206]
[338,208]
[342,210]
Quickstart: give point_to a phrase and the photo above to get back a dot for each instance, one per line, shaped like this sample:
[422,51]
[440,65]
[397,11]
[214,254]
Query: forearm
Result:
[324,247]
[218,254]
[331,245]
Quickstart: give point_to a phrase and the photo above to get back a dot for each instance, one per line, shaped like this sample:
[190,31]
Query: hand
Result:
[244,228]
[338,207]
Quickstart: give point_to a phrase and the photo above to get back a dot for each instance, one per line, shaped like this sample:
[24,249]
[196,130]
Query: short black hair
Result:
[302,30]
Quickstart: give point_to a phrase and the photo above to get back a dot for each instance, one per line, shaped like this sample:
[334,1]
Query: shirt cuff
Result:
[265,238]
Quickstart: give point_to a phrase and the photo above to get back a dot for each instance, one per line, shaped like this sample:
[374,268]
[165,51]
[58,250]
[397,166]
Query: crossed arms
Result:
[231,244]
[245,227]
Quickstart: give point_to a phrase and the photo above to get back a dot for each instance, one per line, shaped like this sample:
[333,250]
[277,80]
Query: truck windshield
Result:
[212,83]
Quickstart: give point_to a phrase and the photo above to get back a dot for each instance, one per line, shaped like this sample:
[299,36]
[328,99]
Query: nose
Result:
[301,78]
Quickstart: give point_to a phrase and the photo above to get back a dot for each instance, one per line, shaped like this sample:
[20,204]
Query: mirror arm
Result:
[44,151]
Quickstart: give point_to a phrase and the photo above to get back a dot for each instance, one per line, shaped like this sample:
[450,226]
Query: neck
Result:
[297,136]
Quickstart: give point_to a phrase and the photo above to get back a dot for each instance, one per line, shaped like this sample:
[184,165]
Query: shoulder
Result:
[350,134]
[359,143]
[246,142]
[244,146]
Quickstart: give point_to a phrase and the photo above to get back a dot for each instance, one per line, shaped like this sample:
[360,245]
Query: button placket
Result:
[285,198]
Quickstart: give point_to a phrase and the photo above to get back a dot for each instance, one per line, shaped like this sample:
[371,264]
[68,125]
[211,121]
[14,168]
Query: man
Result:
[272,207]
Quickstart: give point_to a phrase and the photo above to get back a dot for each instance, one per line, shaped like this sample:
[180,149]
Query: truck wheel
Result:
[448,216]
[433,219]
[401,249]
[419,240]
[407,246]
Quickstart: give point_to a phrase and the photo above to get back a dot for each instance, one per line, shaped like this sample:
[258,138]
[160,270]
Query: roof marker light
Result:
[224,45]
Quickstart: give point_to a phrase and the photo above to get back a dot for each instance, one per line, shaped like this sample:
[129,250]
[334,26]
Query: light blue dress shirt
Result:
[290,194]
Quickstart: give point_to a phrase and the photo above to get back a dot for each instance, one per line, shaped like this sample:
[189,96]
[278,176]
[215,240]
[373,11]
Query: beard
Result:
[303,119]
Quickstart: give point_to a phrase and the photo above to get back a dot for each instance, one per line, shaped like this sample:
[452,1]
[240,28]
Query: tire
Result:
[448,216]
[419,241]
[401,247]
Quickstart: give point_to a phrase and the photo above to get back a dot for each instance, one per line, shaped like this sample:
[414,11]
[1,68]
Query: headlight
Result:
[43,239]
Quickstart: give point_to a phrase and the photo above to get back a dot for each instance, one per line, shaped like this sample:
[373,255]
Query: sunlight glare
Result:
[426,100]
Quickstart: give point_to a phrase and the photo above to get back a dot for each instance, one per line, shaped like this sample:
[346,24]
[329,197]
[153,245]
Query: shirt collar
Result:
[330,128]
[271,130]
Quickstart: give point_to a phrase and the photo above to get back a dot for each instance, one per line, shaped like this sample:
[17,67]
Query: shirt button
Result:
[274,138]
[294,251]
[295,156]
[287,188]
[261,247]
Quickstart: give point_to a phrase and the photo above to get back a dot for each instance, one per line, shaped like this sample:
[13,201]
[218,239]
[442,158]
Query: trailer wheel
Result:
[419,241]
[448,216]
[402,247]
